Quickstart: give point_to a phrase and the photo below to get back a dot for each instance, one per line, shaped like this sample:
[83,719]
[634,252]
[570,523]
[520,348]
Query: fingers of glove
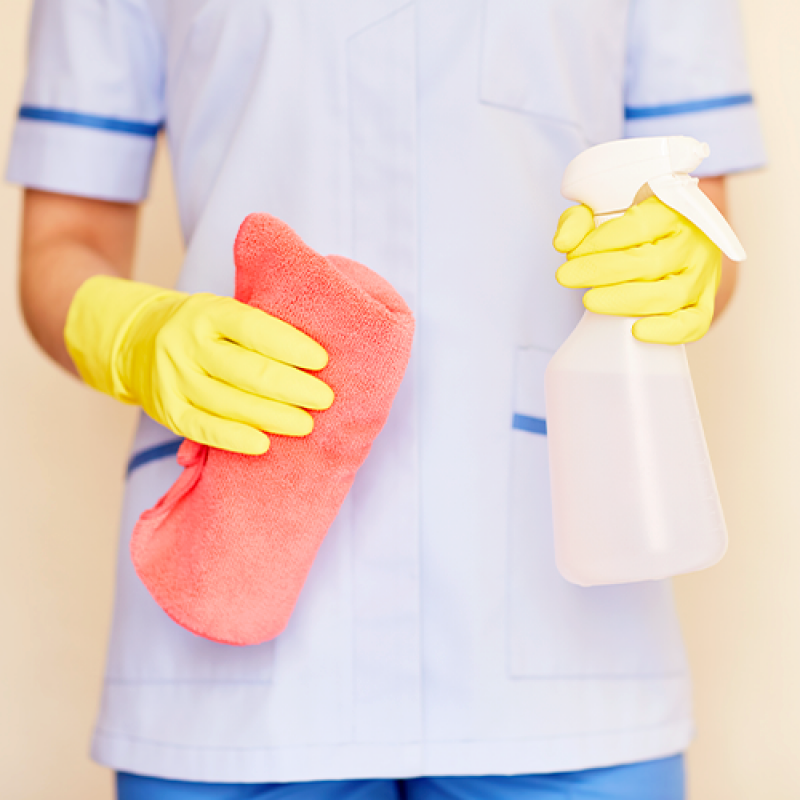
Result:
[267,335]
[205,428]
[643,298]
[265,377]
[228,402]
[647,262]
[641,224]
[573,226]
[683,326]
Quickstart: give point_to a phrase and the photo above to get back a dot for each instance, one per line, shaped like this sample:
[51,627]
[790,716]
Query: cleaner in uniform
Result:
[427,139]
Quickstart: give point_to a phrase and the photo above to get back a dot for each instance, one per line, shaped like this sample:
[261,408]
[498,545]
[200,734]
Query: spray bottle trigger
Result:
[682,193]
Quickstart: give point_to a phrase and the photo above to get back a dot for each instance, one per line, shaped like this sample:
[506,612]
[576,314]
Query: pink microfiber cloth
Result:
[227,549]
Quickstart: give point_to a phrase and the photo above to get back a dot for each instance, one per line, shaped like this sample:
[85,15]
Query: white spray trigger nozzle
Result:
[608,177]
[682,193]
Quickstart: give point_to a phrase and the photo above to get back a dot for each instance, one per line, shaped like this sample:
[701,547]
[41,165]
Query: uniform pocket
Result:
[146,645]
[562,60]
[556,629]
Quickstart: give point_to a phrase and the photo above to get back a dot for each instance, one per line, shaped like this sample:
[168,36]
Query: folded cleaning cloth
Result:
[227,549]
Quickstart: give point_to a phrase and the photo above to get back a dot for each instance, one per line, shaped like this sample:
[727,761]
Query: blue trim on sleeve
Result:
[146,129]
[689,107]
[154,454]
[522,422]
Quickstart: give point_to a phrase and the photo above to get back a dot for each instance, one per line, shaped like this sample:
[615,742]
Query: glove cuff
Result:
[99,318]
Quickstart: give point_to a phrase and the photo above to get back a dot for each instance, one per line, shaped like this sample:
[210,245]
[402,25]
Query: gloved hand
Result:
[651,263]
[210,368]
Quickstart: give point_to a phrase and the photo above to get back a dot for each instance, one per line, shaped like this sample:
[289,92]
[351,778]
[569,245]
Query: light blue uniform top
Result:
[425,138]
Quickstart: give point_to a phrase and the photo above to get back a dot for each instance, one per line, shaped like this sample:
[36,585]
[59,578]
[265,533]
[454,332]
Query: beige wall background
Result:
[63,451]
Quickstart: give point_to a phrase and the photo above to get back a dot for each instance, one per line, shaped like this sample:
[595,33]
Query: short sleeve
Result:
[92,104]
[686,74]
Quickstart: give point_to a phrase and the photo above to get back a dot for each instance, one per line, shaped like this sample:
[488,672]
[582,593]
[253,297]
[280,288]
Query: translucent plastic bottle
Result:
[634,496]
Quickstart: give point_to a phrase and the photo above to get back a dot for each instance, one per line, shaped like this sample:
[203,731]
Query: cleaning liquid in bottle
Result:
[634,496]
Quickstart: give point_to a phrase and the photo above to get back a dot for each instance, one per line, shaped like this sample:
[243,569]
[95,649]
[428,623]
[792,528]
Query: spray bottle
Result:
[634,496]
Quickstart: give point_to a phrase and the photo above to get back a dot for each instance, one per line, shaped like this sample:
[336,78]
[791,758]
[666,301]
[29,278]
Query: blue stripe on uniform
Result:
[146,129]
[154,454]
[689,107]
[522,422]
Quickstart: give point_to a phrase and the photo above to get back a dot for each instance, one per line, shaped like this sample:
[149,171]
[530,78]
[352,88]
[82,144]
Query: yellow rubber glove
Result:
[210,368]
[651,263]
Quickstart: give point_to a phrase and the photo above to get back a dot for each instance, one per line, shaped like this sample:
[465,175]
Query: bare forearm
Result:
[716,191]
[65,241]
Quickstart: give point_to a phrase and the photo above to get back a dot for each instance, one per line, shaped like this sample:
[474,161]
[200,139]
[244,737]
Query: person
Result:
[435,651]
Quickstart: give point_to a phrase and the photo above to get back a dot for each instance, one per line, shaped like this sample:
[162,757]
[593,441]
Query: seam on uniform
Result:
[605,676]
[687,107]
[538,114]
[379,21]
[111,124]
[524,422]
[153,454]
[232,682]
[221,682]
[337,745]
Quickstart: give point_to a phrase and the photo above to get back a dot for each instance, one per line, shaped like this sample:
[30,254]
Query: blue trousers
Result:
[662,779]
